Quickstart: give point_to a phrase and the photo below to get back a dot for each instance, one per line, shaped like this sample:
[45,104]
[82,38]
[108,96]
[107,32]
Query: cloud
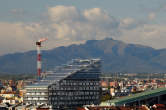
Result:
[63,13]
[149,34]
[13,38]
[130,23]
[66,25]
[153,11]
[70,24]
[152,16]
[100,18]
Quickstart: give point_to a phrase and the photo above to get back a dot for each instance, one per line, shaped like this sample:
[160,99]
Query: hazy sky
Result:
[65,22]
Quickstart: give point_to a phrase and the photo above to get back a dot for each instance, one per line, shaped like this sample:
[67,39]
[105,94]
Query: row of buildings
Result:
[70,86]
[123,86]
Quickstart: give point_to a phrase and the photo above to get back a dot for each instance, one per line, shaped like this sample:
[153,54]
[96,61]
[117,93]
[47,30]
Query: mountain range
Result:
[116,56]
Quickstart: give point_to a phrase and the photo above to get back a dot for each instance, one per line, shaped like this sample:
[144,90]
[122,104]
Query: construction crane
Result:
[39,64]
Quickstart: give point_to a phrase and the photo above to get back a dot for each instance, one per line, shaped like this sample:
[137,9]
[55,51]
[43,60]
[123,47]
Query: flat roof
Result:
[135,97]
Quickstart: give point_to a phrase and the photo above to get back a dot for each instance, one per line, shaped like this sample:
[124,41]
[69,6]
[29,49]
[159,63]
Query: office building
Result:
[68,86]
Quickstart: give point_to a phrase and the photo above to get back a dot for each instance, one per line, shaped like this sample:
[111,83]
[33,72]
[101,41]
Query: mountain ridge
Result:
[116,56]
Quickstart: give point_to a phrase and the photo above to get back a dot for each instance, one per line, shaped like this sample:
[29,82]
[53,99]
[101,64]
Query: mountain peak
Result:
[117,56]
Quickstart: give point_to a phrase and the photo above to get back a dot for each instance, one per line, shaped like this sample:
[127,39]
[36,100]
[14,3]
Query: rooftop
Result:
[61,72]
[134,97]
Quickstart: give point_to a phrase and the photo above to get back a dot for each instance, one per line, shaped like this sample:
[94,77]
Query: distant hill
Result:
[116,56]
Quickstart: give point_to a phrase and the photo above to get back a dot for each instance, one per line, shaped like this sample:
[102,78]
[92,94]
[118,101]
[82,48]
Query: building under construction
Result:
[68,86]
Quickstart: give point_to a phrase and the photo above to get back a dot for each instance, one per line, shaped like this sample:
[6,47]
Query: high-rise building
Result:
[68,86]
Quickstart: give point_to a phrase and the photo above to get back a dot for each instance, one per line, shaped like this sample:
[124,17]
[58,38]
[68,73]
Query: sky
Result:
[65,22]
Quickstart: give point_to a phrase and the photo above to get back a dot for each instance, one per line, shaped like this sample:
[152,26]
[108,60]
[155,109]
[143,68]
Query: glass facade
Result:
[71,85]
